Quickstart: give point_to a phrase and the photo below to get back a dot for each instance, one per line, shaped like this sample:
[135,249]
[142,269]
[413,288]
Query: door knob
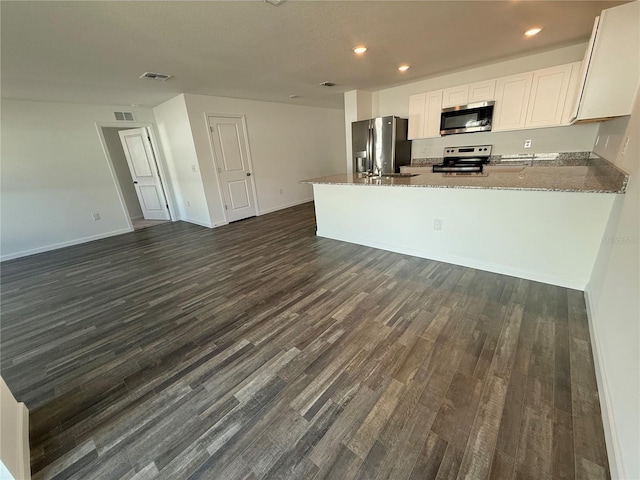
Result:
[135,183]
[248,174]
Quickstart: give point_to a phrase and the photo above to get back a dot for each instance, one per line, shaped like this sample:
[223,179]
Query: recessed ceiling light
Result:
[403,68]
[359,50]
[533,31]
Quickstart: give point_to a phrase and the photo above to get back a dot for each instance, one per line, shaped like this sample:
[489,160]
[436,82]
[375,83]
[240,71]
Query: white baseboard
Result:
[202,224]
[611,437]
[69,243]
[282,207]
[573,283]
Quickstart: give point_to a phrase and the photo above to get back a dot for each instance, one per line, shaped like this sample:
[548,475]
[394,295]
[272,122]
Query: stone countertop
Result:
[597,177]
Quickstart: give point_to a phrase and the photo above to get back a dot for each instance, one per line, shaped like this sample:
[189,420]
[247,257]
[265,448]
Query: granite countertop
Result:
[597,176]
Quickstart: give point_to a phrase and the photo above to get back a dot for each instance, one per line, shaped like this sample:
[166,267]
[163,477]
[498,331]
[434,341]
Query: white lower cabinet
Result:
[512,100]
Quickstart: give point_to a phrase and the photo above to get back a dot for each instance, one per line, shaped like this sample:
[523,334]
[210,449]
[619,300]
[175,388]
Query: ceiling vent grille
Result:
[327,84]
[124,116]
[156,76]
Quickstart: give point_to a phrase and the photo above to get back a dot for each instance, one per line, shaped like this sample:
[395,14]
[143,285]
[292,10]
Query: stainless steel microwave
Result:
[475,117]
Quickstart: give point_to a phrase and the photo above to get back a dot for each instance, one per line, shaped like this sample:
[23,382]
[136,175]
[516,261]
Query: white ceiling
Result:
[94,51]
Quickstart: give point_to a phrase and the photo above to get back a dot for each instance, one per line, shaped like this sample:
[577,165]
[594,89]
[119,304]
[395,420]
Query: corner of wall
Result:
[14,442]
[604,395]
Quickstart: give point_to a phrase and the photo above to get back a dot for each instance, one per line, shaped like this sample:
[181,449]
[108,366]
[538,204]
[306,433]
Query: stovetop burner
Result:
[464,159]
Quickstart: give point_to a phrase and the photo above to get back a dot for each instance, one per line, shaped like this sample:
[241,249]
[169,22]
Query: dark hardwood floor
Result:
[258,350]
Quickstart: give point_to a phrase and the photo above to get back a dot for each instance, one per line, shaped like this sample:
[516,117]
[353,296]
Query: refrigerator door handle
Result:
[370,161]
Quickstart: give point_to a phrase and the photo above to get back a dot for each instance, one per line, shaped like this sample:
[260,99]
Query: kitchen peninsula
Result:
[542,223]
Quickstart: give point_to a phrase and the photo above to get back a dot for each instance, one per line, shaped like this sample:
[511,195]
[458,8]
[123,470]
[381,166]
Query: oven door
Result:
[475,117]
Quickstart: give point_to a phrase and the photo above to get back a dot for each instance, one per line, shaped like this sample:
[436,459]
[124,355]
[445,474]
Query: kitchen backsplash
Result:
[573,159]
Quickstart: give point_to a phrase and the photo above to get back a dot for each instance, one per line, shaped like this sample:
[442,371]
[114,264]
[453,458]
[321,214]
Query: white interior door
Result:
[144,172]
[233,166]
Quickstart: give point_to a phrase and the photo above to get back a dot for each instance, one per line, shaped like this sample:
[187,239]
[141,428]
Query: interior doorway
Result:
[232,160]
[138,204]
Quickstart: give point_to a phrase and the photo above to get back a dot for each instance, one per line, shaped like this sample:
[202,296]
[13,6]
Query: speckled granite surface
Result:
[597,176]
[560,159]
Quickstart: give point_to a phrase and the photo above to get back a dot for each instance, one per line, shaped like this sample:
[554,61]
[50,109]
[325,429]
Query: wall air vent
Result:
[327,84]
[124,116]
[156,76]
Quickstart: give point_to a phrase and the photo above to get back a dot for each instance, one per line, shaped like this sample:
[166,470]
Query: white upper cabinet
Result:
[611,65]
[512,100]
[424,115]
[452,97]
[482,91]
[548,95]
[572,93]
[416,116]
[472,93]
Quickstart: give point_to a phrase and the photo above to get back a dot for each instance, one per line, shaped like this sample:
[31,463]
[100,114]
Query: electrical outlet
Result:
[281,192]
[437,224]
[193,168]
[597,140]
[624,146]
[527,143]
[188,203]
[606,143]
[95,216]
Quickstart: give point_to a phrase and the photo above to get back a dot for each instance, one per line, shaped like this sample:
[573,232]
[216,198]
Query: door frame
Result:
[252,180]
[159,165]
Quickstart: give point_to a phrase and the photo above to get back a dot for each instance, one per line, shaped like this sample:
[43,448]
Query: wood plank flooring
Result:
[260,351]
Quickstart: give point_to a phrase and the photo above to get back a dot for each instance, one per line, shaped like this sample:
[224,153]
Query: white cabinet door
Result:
[512,100]
[572,93]
[452,97]
[433,101]
[613,68]
[416,116]
[424,115]
[548,95]
[482,91]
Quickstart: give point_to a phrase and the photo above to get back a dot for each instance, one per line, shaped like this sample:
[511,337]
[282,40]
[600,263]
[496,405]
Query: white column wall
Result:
[613,303]
[182,161]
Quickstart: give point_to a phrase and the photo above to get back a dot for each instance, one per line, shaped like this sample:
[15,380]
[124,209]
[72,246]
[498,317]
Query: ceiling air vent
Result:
[156,76]
[327,84]
[124,116]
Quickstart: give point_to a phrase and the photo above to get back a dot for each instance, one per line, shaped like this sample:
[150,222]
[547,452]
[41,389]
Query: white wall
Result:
[550,237]
[357,106]
[613,304]
[121,169]
[14,435]
[182,161]
[288,143]
[55,175]
[395,101]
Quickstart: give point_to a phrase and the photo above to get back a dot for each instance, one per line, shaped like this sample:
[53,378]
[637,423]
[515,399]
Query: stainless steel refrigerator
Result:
[380,145]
